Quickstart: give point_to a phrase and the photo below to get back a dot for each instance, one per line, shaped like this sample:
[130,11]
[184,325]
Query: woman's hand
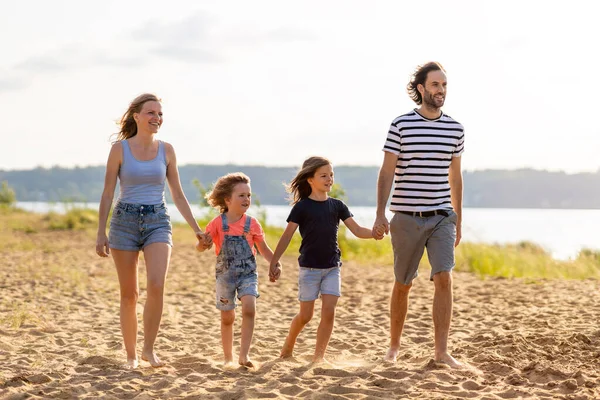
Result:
[204,241]
[102,248]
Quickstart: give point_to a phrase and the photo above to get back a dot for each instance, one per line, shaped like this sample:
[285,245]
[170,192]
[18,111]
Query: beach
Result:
[60,335]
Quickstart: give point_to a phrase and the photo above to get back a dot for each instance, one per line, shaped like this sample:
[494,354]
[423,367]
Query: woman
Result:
[140,221]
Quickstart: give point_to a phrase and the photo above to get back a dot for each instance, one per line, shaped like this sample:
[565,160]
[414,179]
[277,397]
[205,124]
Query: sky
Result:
[273,82]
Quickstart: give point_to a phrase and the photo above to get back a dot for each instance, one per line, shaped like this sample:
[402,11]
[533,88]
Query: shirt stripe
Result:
[425,149]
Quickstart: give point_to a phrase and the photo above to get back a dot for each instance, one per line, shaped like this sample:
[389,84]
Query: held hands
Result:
[274,271]
[204,241]
[381,226]
[102,248]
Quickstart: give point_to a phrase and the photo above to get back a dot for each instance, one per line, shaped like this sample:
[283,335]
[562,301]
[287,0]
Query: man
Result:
[422,157]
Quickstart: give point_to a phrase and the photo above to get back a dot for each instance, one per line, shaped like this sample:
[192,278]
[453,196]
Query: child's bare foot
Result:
[449,361]
[392,355]
[131,363]
[228,364]
[286,352]
[322,362]
[152,358]
[247,363]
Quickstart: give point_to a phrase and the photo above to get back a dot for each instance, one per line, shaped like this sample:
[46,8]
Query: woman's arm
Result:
[110,182]
[179,198]
[357,230]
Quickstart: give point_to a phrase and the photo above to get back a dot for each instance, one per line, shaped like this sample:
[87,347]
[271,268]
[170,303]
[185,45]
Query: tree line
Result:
[524,188]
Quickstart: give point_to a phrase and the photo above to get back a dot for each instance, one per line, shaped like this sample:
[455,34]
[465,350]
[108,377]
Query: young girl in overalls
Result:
[235,234]
[318,217]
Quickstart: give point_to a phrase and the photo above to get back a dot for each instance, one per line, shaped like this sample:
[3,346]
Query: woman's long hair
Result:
[127,125]
[299,188]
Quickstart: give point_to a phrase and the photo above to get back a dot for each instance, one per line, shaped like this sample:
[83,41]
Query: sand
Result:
[522,339]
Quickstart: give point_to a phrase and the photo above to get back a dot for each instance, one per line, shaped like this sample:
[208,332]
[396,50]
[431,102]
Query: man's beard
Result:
[430,102]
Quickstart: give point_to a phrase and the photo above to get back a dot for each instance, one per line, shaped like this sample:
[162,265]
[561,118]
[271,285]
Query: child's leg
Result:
[227,318]
[298,323]
[248,313]
[326,325]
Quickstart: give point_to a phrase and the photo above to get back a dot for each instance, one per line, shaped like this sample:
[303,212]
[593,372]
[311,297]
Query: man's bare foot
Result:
[448,360]
[131,363]
[392,355]
[152,358]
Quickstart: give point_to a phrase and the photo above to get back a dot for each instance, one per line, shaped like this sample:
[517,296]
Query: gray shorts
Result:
[135,226]
[412,234]
[315,281]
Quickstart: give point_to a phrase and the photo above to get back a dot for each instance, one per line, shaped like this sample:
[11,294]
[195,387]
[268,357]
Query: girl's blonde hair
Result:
[223,189]
[299,188]
[127,125]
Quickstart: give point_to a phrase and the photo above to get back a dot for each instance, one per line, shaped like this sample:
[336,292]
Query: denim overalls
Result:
[236,268]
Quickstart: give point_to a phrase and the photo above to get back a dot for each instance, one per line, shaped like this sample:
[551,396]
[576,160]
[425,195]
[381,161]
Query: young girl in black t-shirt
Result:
[318,216]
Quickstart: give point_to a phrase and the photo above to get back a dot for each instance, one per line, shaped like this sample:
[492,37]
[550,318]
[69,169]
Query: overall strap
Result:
[247,224]
[224,222]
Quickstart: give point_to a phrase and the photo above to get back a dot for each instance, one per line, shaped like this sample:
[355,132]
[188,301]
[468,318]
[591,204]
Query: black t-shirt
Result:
[318,222]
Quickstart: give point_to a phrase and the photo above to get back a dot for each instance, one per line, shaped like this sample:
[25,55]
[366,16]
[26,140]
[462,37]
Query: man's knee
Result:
[401,289]
[443,280]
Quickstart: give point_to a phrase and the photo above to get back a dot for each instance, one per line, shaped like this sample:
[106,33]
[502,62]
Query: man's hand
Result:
[378,232]
[458,234]
[381,226]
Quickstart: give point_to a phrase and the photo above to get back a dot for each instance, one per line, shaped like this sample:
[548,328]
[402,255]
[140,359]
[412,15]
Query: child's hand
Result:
[378,232]
[204,241]
[275,272]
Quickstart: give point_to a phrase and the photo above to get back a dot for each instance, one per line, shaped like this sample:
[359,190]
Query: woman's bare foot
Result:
[152,358]
[392,355]
[131,363]
[448,360]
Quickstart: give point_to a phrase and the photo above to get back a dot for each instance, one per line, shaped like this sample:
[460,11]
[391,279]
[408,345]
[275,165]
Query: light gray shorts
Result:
[412,234]
[315,281]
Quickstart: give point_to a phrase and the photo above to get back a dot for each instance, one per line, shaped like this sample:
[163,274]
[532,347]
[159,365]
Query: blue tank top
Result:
[142,182]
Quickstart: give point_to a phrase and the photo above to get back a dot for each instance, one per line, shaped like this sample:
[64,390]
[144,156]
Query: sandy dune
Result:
[523,339]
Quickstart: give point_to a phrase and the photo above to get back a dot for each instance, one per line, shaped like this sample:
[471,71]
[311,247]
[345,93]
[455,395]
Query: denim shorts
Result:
[312,281]
[412,234]
[135,226]
[242,279]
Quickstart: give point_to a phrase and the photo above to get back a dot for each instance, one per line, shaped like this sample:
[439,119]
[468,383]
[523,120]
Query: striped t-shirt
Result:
[425,149]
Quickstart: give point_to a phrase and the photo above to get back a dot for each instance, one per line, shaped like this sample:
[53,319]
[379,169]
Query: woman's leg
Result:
[227,319]
[127,263]
[326,325]
[248,313]
[298,323]
[157,256]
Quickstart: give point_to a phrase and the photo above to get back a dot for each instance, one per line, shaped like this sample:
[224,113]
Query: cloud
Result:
[11,84]
[191,30]
[187,40]
[187,54]
[290,34]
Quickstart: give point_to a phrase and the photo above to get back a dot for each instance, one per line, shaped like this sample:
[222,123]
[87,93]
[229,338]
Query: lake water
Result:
[562,232]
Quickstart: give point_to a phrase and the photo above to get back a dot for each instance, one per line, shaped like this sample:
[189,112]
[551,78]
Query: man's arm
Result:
[384,186]
[456,194]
